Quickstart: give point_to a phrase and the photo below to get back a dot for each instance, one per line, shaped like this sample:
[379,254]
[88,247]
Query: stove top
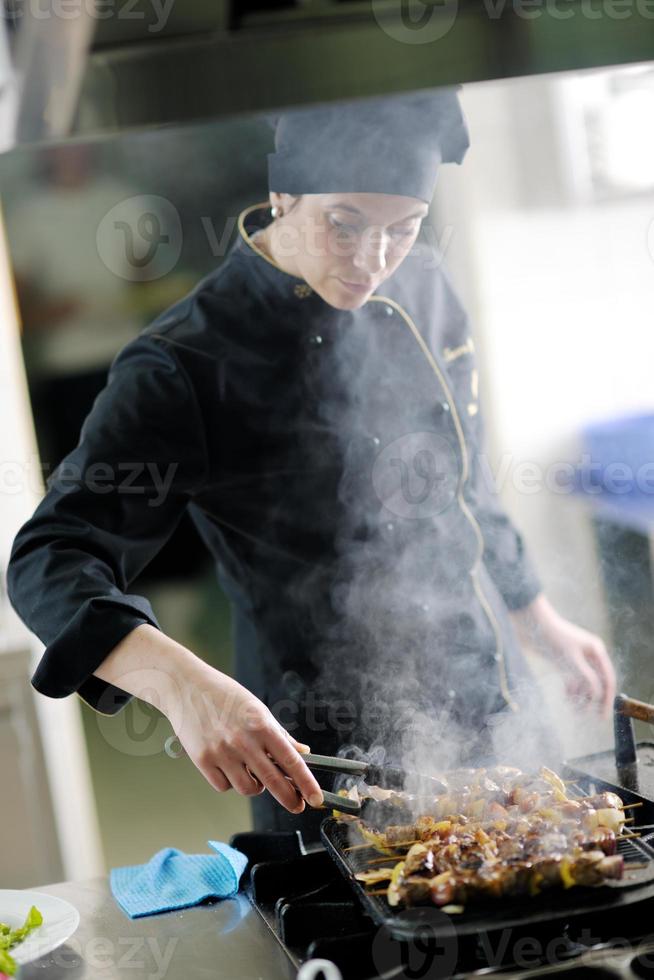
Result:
[313,915]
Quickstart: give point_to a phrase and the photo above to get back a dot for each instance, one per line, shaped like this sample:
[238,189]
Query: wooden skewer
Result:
[635,867]
[630,806]
[379,891]
[394,858]
[396,847]
[386,860]
[626,836]
[630,820]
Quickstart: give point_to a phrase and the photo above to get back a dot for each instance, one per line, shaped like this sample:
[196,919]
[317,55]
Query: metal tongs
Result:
[388,777]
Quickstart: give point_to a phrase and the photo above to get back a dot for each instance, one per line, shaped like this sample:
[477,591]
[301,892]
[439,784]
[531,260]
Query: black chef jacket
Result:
[331,462]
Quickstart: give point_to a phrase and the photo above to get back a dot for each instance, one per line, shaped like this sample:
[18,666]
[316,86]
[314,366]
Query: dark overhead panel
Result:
[158,62]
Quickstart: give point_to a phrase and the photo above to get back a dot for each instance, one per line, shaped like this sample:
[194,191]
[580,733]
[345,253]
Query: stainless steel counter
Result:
[228,940]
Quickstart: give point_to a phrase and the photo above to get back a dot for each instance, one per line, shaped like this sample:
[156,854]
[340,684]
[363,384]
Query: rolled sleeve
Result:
[110,507]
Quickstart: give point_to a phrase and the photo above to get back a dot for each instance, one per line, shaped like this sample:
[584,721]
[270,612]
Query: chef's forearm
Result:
[230,736]
[535,621]
[151,666]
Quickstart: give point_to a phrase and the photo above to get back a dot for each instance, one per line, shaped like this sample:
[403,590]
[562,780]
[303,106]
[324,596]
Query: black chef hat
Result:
[386,146]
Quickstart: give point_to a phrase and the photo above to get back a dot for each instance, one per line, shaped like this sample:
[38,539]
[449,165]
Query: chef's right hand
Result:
[229,734]
[235,741]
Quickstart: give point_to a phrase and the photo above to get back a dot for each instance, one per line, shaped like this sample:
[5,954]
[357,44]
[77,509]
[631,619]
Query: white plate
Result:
[60,920]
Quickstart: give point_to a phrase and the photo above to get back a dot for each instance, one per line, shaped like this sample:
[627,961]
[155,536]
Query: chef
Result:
[313,404]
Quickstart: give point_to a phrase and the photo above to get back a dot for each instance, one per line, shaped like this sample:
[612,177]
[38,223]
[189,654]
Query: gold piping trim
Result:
[250,242]
[451,353]
[105,714]
[465,471]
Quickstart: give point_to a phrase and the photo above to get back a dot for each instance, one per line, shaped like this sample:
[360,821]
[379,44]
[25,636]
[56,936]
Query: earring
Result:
[277,212]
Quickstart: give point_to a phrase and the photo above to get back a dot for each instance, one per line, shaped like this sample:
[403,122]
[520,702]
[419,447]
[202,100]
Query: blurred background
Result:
[547,231]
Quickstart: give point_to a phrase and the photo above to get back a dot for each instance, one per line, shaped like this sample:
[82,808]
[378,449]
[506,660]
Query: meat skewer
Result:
[496,833]
[450,887]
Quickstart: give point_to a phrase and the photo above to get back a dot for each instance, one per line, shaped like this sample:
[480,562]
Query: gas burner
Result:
[313,910]
[313,914]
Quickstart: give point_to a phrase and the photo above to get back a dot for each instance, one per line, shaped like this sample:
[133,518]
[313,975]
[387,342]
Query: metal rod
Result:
[341,803]
[626,761]
[331,763]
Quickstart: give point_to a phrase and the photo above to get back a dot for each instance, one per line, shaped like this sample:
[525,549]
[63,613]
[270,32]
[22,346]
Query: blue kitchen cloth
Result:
[175,880]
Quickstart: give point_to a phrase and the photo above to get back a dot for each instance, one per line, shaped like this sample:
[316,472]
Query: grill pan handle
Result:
[626,760]
[631,708]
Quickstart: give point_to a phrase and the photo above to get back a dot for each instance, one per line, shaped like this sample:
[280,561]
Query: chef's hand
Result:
[231,736]
[581,656]
[235,741]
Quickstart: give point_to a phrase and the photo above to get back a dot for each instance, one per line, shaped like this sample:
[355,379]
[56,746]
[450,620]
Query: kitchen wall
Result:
[48,822]
[559,280]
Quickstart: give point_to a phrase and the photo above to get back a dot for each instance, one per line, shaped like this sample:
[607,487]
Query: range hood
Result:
[139,63]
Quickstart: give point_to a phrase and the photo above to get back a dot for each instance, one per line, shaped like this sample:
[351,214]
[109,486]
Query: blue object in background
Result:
[175,880]
[621,455]
[616,474]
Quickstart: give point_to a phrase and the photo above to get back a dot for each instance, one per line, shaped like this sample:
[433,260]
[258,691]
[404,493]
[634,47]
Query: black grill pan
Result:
[550,906]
